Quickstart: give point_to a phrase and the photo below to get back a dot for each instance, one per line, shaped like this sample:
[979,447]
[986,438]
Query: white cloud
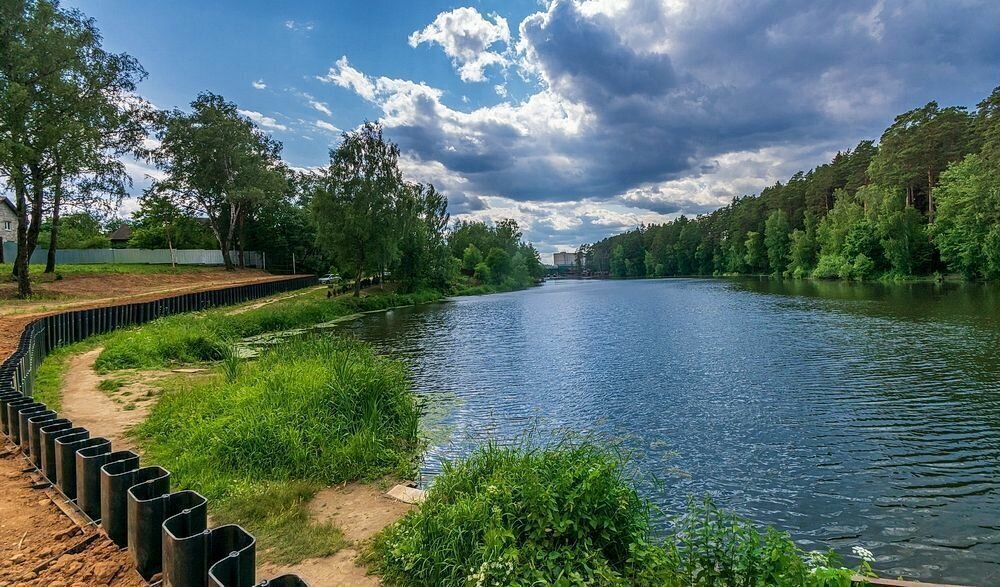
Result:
[324,125]
[258,84]
[262,120]
[318,106]
[466,37]
[298,26]
[346,76]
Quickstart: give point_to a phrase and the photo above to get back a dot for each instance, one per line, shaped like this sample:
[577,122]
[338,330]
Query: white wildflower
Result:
[863,553]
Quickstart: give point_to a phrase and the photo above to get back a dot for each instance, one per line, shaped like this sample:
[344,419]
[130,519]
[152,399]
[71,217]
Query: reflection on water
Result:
[843,413]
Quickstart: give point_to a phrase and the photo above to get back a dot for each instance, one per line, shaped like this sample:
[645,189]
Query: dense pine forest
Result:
[924,200]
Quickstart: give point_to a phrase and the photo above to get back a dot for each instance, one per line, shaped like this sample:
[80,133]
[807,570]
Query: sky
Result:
[577,118]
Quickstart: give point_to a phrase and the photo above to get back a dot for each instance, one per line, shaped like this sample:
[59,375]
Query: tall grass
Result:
[568,515]
[307,413]
[199,336]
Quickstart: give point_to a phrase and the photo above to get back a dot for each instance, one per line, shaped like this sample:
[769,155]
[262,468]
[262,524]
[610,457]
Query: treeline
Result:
[924,200]
[70,117]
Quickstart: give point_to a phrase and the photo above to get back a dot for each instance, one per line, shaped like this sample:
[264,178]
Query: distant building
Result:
[564,259]
[120,237]
[8,223]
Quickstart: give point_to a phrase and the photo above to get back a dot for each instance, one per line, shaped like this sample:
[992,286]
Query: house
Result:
[120,236]
[8,223]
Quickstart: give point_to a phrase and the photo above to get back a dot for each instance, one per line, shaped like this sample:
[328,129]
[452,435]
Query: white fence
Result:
[133,256]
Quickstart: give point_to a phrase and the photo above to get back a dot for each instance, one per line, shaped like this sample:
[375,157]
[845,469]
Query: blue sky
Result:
[578,118]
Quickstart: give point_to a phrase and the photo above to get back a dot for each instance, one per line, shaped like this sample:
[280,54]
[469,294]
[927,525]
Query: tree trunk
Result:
[50,260]
[21,259]
[27,232]
[357,284]
[930,197]
[170,245]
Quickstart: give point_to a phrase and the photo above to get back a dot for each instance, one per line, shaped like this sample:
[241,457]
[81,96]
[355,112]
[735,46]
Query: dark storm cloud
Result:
[646,94]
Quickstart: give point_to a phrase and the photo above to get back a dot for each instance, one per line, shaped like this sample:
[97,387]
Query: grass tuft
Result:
[307,413]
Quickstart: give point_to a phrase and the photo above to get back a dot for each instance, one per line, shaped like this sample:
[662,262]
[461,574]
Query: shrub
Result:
[568,515]
[507,516]
[830,267]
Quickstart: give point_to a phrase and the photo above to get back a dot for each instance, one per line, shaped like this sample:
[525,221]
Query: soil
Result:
[34,534]
[108,414]
[360,511]
[94,290]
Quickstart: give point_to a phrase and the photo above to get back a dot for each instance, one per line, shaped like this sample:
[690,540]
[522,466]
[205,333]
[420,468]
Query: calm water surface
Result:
[844,413]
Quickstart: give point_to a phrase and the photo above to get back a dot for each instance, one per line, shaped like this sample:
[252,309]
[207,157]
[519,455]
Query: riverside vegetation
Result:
[924,200]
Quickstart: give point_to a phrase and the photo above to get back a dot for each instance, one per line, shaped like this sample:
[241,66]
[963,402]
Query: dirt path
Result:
[88,406]
[360,511]
[271,300]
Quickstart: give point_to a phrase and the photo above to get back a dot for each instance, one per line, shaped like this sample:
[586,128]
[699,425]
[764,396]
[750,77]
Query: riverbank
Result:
[200,411]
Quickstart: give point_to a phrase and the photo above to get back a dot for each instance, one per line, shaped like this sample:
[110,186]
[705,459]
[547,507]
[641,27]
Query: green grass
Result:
[309,412]
[201,336]
[51,373]
[569,515]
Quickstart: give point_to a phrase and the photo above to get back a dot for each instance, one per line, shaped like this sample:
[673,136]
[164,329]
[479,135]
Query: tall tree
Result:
[918,146]
[65,112]
[354,202]
[218,165]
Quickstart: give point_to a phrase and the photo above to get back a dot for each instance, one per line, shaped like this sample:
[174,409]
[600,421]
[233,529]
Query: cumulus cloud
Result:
[259,84]
[467,38]
[324,125]
[644,109]
[262,120]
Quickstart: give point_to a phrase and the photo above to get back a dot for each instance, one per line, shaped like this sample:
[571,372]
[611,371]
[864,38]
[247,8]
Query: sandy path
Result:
[87,406]
[360,511]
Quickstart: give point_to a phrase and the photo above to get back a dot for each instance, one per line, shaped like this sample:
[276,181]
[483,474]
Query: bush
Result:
[568,515]
[831,267]
[507,516]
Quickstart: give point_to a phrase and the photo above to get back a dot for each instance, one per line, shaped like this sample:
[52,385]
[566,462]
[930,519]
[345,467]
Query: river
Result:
[846,414]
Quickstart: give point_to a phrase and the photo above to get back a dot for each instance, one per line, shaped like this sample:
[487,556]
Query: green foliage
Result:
[756,252]
[967,231]
[569,515]
[499,263]
[878,202]
[508,263]
[776,241]
[471,257]
[507,516]
[81,230]
[199,336]
[217,164]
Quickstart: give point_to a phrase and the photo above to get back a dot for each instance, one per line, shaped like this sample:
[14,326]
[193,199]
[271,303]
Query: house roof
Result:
[122,233]
[5,200]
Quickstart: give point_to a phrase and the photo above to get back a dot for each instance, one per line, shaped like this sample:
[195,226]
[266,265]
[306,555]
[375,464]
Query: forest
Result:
[922,201]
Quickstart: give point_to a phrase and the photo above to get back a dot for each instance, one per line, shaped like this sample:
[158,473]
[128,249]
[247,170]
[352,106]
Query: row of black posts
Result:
[166,533]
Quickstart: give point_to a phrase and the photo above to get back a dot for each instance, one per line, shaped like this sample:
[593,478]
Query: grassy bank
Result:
[569,515]
[200,336]
[261,437]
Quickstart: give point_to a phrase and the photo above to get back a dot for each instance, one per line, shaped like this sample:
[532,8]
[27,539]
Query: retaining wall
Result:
[166,533]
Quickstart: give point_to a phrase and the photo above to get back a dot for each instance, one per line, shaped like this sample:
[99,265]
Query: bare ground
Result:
[360,511]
